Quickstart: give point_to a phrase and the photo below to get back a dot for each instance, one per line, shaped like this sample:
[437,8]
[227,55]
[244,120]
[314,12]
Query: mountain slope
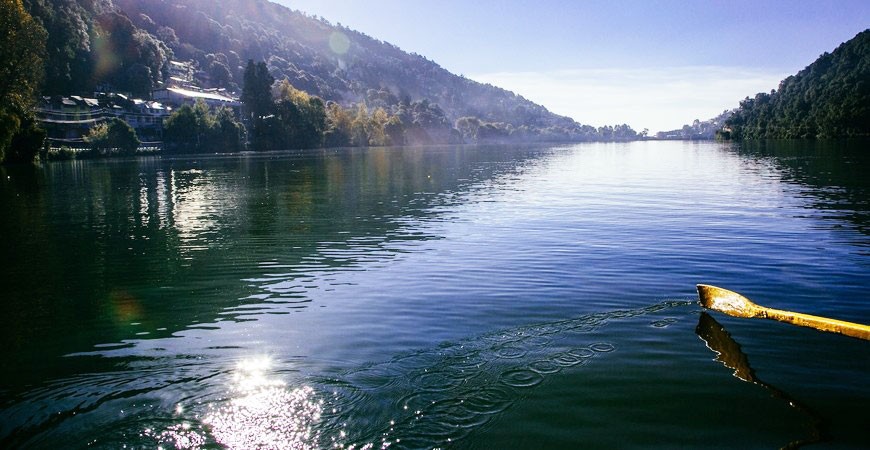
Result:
[329,61]
[127,46]
[829,98]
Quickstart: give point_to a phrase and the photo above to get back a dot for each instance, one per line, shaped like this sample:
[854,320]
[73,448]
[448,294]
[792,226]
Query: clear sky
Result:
[651,64]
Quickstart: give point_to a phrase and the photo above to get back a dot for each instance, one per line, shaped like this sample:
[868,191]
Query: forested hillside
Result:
[829,98]
[126,45]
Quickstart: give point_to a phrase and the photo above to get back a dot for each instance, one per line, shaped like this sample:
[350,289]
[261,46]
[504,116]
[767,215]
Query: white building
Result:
[179,96]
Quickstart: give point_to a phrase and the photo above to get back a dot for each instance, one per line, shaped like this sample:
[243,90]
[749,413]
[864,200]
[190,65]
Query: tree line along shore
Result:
[153,86]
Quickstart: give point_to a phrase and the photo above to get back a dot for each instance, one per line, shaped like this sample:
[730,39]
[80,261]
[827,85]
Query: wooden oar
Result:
[734,304]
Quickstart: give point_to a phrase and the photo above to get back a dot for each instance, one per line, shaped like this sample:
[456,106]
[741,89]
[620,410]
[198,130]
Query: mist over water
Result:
[470,297]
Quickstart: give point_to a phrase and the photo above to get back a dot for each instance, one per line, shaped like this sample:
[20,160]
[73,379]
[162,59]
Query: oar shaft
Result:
[820,323]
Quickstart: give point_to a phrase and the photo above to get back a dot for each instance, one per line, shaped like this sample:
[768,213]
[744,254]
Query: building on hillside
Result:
[181,88]
[146,117]
[176,96]
[68,119]
[181,73]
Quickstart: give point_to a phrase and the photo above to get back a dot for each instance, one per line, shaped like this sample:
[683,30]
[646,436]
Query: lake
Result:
[439,297]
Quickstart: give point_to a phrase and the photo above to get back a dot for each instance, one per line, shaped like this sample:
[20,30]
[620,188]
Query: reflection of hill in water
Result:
[835,173]
[101,252]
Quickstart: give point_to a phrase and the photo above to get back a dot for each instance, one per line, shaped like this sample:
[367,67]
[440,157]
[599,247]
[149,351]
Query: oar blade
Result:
[728,302]
[734,304]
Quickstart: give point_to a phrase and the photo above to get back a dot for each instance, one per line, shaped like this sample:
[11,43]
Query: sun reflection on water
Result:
[260,411]
[264,413]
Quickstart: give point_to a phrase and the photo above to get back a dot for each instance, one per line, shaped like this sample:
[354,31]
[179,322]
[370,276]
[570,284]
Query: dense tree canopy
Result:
[199,129]
[829,98]
[303,116]
[257,90]
[68,61]
[125,57]
[113,137]
[90,44]
[22,50]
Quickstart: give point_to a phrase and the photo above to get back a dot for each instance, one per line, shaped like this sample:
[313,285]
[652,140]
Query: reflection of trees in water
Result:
[101,251]
[834,173]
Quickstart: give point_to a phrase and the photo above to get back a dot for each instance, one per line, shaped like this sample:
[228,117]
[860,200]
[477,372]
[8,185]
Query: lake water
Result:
[453,297]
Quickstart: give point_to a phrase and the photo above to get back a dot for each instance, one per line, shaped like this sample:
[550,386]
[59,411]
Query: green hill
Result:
[830,98]
[126,45]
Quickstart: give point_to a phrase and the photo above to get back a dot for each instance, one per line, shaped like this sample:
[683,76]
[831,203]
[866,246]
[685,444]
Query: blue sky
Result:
[651,64]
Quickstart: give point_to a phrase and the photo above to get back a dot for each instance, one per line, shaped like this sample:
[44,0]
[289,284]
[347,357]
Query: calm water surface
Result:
[453,297]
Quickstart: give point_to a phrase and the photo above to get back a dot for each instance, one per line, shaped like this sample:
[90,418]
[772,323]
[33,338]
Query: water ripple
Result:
[431,398]
[439,401]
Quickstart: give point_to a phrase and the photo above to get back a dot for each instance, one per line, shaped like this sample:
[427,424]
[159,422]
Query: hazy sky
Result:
[651,64]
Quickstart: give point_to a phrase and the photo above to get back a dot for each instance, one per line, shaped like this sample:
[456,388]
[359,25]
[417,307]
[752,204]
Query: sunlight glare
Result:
[258,412]
[264,413]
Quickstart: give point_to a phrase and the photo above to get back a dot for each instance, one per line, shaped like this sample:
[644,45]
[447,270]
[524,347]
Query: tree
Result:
[257,99]
[227,132]
[22,51]
[379,119]
[257,90]
[468,128]
[27,142]
[299,120]
[113,136]
[138,80]
[68,56]
[181,130]
[338,124]
[395,131]
[125,56]
[198,129]
[220,74]
[359,135]
[311,124]
[123,137]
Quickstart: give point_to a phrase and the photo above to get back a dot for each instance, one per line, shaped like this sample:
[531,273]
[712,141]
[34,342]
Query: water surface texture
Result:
[442,297]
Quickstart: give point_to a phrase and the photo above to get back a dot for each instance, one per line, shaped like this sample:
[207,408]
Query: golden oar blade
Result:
[728,302]
[734,304]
